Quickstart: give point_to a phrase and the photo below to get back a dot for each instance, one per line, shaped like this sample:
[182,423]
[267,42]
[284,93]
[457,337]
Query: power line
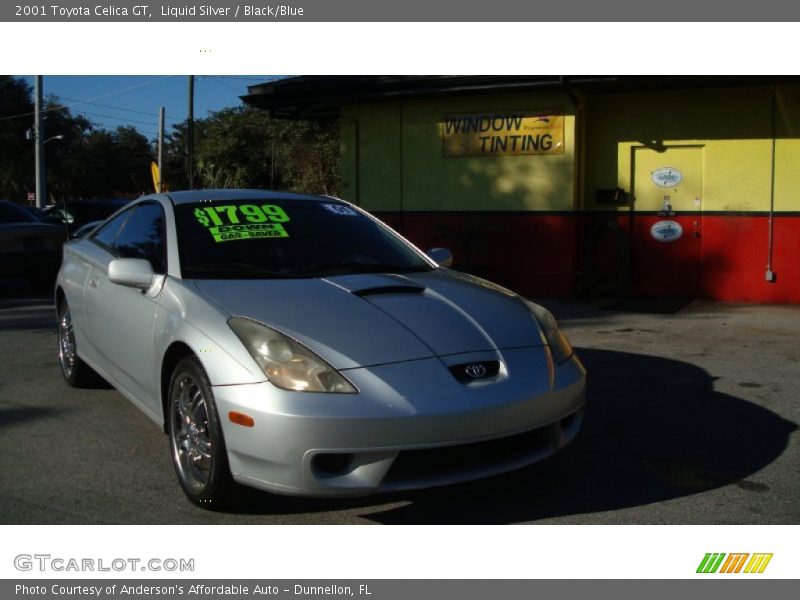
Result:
[130,110]
[146,134]
[114,93]
[268,78]
[84,112]
[220,82]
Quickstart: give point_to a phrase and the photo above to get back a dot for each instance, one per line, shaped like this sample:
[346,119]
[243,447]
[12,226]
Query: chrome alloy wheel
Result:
[190,437]
[66,342]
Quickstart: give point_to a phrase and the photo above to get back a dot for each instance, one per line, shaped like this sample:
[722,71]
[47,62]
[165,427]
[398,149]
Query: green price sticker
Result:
[201,216]
[243,222]
[248,231]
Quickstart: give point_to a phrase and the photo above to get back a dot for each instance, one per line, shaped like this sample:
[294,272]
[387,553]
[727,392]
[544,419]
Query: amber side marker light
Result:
[241,419]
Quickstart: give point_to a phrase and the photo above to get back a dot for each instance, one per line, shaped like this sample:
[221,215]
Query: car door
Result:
[120,319]
[93,254]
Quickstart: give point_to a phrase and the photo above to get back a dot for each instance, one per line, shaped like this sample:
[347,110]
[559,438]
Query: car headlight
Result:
[559,344]
[287,363]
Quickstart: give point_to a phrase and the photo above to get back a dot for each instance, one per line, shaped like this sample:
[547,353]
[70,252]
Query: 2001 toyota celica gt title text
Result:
[296,344]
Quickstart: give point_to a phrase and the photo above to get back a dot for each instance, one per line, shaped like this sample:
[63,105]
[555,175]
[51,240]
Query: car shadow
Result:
[655,430]
[14,415]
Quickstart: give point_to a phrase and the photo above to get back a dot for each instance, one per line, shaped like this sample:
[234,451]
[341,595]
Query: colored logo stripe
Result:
[758,563]
[733,564]
[710,563]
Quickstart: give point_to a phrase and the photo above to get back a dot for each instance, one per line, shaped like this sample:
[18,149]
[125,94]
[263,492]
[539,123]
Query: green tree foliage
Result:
[81,160]
[16,152]
[108,164]
[238,147]
[244,148]
[307,154]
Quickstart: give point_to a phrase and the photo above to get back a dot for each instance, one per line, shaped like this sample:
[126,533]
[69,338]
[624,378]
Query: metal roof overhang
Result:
[322,96]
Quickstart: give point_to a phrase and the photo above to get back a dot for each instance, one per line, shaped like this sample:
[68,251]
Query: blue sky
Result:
[110,101]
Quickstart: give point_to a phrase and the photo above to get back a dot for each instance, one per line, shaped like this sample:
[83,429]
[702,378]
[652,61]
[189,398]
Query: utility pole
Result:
[190,135]
[41,178]
[160,150]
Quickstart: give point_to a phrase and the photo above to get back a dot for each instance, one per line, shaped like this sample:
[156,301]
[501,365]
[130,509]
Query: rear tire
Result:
[76,373]
[195,436]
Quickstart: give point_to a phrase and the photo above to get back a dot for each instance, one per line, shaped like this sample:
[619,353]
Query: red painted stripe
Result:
[735,259]
[515,250]
[539,254]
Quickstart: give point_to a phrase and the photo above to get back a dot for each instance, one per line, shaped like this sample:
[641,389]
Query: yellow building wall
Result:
[392,157]
[787,149]
[371,156]
[402,166]
[733,126]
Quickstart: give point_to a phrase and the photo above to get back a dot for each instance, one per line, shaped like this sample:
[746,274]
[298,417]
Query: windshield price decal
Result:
[243,222]
[340,209]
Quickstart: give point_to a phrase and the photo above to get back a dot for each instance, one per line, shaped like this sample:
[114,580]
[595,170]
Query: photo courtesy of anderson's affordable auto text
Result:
[367,589]
[281,294]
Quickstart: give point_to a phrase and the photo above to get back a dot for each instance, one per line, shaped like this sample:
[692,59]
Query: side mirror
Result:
[441,256]
[131,272]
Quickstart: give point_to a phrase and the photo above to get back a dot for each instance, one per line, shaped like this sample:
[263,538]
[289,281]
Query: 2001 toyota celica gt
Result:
[296,344]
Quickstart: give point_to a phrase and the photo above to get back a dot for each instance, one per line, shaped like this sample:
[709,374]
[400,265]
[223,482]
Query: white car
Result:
[298,345]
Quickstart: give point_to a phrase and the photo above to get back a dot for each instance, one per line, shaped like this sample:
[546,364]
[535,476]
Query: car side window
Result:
[106,235]
[143,236]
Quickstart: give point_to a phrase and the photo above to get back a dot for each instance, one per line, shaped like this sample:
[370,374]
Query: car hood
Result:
[363,320]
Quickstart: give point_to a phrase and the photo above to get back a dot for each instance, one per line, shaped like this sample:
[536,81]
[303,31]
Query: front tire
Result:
[195,437]
[76,373]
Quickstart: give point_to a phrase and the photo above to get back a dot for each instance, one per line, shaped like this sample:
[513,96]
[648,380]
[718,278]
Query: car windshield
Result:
[262,239]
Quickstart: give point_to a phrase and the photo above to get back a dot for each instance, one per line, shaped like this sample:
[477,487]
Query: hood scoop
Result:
[373,285]
[390,289]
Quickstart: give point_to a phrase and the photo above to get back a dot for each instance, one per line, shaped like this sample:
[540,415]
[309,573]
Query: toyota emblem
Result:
[475,370]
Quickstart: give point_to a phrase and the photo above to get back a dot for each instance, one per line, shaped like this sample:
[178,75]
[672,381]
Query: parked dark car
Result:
[75,214]
[84,229]
[29,248]
[35,211]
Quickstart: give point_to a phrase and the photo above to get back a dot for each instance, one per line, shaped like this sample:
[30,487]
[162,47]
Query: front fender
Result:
[183,316]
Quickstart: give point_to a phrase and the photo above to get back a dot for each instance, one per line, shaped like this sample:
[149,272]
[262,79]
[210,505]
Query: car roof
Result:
[190,196]
[19,210]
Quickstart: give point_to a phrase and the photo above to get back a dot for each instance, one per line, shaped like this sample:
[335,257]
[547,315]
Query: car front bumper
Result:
[412,425]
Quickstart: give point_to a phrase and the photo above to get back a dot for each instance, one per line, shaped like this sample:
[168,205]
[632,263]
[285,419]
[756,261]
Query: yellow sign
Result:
[502,133]
[156,176]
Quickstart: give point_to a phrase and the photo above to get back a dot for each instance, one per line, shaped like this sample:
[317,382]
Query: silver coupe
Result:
[296,344]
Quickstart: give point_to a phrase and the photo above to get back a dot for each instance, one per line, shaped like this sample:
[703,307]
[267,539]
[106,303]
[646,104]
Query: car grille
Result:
[412,468]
